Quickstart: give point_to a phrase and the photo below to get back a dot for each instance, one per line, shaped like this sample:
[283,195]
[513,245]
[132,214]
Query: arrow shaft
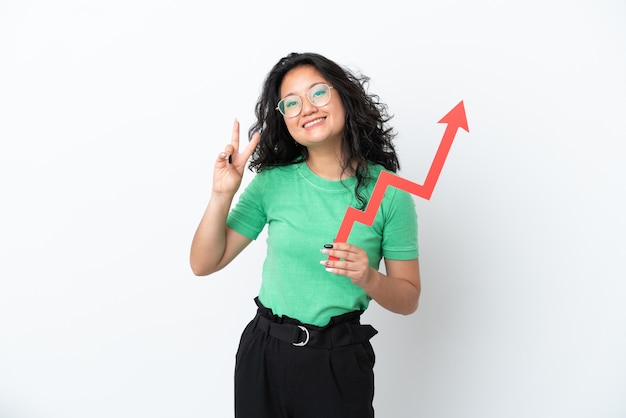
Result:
[438,161]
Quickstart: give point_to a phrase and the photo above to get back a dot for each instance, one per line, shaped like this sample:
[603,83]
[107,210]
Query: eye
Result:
[291,102]
[318,92]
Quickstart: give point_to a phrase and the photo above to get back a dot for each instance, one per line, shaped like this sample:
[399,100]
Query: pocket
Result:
[366,356]
[245,342]
[369,350]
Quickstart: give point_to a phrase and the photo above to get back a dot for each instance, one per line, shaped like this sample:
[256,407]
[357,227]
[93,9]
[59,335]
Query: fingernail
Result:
[230,159]
[328,245]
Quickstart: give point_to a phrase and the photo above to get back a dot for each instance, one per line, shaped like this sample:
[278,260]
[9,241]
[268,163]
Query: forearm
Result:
[394,294]
[209,241]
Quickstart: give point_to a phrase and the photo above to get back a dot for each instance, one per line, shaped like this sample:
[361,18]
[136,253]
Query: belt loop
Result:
[349,329]
[269,327]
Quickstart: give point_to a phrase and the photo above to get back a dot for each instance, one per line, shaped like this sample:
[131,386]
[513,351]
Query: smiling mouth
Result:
[313,122]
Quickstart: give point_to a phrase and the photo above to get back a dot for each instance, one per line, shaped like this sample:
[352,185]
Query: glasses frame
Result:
[308,98]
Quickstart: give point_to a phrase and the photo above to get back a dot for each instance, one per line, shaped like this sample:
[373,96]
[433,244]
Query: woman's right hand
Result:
[231,163]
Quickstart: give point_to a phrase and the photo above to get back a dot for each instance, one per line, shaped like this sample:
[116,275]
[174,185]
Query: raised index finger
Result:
[254,141]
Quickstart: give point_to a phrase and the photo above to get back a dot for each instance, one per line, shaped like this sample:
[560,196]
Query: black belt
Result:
[299,335]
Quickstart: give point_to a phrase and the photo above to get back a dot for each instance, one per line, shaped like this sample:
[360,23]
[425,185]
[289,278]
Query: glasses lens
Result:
[319,95]
[290,106]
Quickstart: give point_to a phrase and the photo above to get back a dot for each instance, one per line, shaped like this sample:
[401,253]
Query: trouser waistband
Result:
[342,330]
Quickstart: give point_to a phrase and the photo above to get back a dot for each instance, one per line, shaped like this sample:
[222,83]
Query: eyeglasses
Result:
[318,95]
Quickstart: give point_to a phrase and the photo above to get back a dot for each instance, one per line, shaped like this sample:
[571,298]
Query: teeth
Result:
[313,122]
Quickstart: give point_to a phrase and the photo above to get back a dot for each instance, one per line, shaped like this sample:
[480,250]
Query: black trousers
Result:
[286,369]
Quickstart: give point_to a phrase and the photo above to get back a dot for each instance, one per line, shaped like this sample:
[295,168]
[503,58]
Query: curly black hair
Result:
[367,137]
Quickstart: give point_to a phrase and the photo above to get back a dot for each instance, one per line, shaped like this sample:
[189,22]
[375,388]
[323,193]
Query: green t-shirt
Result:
[303,212]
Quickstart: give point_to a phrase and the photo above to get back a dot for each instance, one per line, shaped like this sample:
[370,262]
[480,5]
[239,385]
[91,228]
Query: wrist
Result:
[371,280]
[222,197]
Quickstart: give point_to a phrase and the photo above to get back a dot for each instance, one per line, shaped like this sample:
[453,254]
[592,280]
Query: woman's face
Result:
[314,127]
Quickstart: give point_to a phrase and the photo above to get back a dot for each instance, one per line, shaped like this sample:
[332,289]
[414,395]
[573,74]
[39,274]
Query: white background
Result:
[111,114]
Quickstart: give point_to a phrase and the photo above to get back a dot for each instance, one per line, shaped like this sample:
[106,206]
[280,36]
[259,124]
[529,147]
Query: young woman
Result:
[318,146]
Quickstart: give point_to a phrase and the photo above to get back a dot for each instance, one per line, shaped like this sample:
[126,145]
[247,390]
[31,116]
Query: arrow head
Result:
[456,117]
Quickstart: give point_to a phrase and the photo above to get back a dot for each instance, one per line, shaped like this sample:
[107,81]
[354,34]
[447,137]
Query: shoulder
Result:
[375,169]
[276,176]
[280,172]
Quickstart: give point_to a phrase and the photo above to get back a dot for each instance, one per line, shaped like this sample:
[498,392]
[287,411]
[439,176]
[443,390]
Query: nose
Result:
[307,106]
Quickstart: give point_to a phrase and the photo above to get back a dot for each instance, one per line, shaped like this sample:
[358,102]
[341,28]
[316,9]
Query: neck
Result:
[327,166]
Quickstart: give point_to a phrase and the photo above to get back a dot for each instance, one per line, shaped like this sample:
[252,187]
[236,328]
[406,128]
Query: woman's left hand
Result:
[352,262]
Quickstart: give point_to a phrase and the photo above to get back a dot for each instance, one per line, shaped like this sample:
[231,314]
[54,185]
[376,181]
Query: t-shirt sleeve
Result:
[248,216]
[400,231]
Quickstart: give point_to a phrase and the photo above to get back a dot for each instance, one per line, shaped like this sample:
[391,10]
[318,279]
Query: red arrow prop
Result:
[455,119]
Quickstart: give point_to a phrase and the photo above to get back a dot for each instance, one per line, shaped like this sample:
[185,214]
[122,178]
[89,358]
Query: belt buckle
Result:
[306,340]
